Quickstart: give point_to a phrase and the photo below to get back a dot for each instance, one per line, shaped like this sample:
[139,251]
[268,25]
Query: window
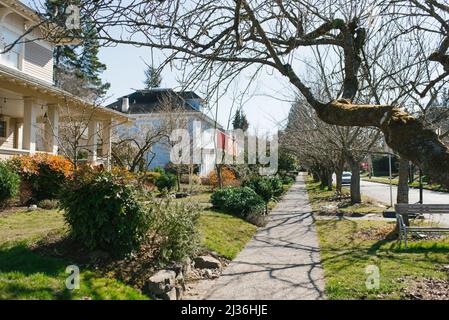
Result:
[37,54]
[12,57]
[3,129]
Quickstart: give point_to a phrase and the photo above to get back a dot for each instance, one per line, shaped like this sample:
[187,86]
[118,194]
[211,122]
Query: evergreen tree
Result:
[152,78]
[77,68]
[240,121]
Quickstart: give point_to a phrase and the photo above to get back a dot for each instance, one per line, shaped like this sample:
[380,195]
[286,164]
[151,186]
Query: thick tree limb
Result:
[403,133]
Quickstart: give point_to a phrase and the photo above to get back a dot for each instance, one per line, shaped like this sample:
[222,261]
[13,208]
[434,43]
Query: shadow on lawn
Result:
[26,274]
[353,249]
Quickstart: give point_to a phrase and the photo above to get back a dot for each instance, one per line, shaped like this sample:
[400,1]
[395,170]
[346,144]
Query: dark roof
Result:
[149,100]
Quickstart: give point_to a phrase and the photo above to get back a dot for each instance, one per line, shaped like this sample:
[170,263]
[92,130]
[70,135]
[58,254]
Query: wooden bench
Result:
[406,211]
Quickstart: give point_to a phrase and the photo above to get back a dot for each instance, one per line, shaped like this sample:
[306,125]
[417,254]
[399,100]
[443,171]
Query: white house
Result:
[147,108]
[32,109]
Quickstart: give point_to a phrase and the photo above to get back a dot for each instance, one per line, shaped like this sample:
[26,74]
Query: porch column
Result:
[106,145]
[19,134]
[52,129]
[92,132]
[29,125]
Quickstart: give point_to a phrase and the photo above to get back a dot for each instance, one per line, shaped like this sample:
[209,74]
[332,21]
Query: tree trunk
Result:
[219,177]
[316,176]
[403,133]
[339,182]
[329,183]
[339,173]
[403,181]
[178,178]
[323,178]
[356,196]
[403,185]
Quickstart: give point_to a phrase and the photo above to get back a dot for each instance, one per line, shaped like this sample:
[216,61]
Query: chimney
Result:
[125,105]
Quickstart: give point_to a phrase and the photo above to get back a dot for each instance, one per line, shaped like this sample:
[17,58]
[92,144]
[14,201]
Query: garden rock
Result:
[208,273]
[207,262]
[162,284]
[32,207]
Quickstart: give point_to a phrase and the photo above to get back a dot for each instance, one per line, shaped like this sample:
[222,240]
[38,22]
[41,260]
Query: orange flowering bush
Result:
[32,165]
[227,175]
[43,174]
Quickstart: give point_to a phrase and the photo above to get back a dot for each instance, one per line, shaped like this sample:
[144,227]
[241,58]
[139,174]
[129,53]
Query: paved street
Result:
[282,261]
[381,192]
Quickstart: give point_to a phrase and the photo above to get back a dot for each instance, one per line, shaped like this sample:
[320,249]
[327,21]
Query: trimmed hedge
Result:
[241,201]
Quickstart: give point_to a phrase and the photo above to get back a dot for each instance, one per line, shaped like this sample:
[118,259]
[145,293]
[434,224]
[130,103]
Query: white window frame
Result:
[17,49]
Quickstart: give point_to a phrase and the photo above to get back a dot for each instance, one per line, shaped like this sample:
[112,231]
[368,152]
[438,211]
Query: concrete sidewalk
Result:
[282,261]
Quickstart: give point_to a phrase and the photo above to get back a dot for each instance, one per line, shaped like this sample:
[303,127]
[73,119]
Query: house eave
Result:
[28,86]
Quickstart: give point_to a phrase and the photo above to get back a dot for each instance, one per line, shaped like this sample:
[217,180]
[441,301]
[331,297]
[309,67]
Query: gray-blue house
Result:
[148,108]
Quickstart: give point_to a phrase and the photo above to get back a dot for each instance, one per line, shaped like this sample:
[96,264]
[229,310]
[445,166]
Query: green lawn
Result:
[345,253]
[30,226]
[414,184]
[225,234]
[24,274]
[319,198]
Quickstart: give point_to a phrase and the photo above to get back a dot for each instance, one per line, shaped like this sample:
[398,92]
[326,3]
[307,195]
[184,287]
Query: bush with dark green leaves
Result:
[287,162]
[103,213]
[266,187]
[277,185]
[287,180]
[165,182]
[262,187]
[9,183]
[240,201]
[174,229]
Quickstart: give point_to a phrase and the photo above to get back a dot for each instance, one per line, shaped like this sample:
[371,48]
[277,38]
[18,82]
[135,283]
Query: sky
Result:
[266,107]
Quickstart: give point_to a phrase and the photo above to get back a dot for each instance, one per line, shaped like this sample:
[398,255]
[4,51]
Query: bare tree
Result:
[132,146]
[215,41]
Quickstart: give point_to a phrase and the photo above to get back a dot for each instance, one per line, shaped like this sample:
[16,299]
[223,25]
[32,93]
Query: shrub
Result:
[266,187]
[148,179]
[9,183]
[240,201]
[103,212]
[287,180]
[227,175]
[159,170]
[165,182]
[45,174]
[262,186]
[174,229]
[287,162]
[48,204]
[277,186]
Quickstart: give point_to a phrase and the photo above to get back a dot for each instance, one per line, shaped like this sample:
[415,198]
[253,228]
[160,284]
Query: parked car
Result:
[346,178]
